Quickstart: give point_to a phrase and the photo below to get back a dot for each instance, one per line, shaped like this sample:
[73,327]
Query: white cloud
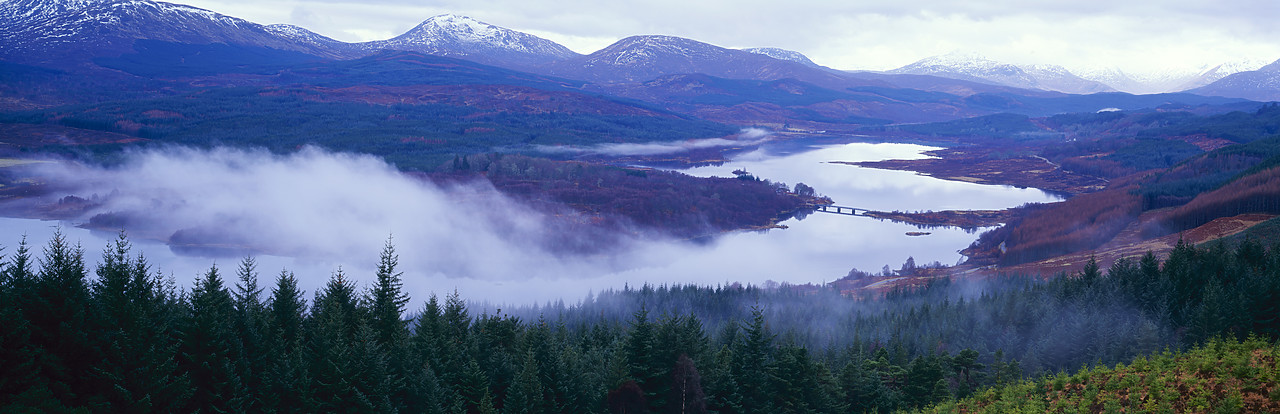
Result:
[1137,36]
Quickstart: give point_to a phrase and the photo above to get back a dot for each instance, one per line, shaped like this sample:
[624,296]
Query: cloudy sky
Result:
[1138,36]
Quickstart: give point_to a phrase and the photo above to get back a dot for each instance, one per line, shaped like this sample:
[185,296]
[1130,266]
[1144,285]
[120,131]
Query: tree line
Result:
[122,337]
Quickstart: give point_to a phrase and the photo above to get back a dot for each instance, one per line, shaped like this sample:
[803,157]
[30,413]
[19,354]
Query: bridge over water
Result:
[845,210]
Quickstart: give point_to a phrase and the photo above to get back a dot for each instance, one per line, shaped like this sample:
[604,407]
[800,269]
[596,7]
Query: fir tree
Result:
[210,346]
[135,326]
[252,330]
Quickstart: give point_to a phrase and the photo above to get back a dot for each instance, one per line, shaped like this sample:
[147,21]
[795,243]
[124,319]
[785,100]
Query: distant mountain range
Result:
[1262,84]
[976,68]
[79,35]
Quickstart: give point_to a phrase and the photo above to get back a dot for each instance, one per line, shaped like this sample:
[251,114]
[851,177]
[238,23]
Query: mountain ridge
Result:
[460,36]
[976,68]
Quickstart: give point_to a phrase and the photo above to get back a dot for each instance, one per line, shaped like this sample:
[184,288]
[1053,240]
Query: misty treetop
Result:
[119,337]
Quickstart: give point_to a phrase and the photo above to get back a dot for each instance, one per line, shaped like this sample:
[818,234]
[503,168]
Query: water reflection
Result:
[821,247]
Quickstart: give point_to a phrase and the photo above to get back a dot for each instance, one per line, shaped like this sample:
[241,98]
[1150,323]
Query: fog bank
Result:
[316,211]
[747,137]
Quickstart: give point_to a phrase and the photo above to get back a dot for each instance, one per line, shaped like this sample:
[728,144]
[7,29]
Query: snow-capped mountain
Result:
[17,12]
[783,54]
[1214,73]
[1124,82]
[1262,84]
[301,35]
[643,58]
[1171,80]
[73,32]
[976,68]
[466,38]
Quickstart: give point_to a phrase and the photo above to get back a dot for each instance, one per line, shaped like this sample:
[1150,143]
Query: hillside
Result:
[1224,376]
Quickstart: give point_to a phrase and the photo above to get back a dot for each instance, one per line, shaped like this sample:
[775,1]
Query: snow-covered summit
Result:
[977,68]
[1170,79]
[647,49]
[73,32]
[783,54]
[461,36]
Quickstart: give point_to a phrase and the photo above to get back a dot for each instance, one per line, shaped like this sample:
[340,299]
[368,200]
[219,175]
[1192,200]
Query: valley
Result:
[661,224]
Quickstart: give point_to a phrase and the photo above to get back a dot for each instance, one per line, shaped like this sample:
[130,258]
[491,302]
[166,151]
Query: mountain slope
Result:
[467,38]
[70,33]
[643,58]
[301,35]
[976,68]
[1259,85]
[783,54]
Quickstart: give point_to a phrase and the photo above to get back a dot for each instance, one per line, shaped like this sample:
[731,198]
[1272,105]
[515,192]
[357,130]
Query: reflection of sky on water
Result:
[873,189]
[822,247]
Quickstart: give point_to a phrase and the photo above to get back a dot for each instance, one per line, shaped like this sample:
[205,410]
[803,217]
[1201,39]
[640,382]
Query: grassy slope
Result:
[1222,376]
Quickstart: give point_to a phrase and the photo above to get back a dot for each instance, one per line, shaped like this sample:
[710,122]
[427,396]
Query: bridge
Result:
[834,209]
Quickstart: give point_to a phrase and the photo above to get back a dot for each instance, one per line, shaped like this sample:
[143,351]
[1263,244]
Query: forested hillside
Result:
[119,337]
[1223,376]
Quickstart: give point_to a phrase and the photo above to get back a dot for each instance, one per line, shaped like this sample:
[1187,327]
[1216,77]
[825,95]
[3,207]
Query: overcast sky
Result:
[1138,36]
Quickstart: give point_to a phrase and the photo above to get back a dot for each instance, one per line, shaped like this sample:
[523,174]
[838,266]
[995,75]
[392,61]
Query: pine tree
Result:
[640,354]
[754,354]
[20,377]
[252,330]
[386,302]
[134,320]
[525,395]
[286,313]
[58,312]
[210,347]
[335,347]
[861,388]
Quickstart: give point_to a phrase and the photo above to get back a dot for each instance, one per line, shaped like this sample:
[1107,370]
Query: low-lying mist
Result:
[314,212]
[325,211]
[747,137]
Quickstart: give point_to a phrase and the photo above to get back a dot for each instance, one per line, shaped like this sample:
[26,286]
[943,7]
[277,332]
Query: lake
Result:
[819,248]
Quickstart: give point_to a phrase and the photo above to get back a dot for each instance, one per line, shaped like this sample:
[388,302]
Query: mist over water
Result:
[746,137]
[314,212]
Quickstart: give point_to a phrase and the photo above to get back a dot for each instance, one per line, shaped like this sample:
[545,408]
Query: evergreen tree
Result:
[861,388]
[251,326]
[348,367]
[525,395]
[387,301]
[210,346]
[287,378]
[386,311]
[641,364]
[753,355]
[286,313]
[135,326]
[22,385]
[58,312]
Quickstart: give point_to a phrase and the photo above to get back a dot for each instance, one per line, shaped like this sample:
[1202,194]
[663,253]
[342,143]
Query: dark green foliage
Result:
[58,309]
[210,348]
[135,318]
[144,348]
[252,329]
